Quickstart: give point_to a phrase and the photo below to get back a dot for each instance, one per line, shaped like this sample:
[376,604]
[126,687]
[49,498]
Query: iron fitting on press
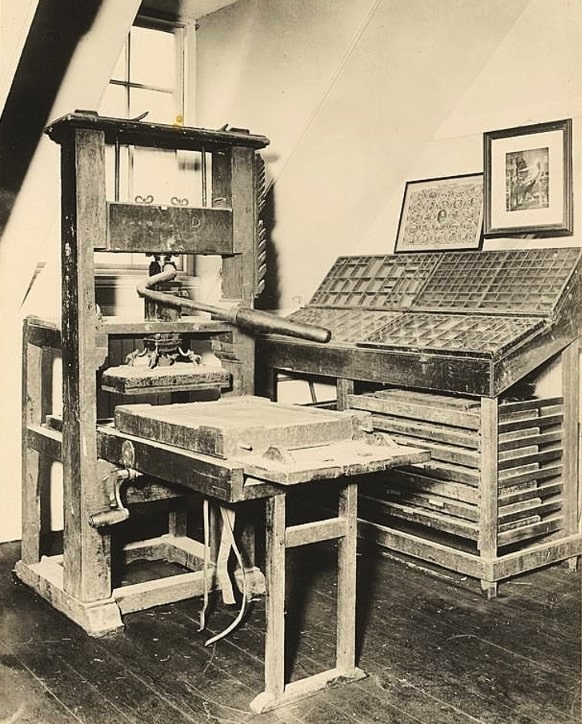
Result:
[117,511]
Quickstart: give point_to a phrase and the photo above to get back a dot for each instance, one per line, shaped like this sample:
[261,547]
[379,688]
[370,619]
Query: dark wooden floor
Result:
[435,652]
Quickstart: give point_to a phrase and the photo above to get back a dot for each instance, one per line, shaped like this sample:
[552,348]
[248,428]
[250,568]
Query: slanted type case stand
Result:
[159,448]
[454,336]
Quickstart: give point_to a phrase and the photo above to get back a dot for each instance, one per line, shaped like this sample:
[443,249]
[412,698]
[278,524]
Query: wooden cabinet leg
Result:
[344,388]
[489,588]
[571,393]
[267,382]
[573,563]
[178,521]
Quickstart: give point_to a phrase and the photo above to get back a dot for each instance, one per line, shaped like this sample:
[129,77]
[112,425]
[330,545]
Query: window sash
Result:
[127,161]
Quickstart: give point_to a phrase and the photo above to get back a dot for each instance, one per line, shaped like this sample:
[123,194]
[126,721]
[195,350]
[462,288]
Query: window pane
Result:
[121,259]
[120,70]
[164,175]
[161,107]
[114,102]
[154,175]
[153,57]
[123,174]
[144,173]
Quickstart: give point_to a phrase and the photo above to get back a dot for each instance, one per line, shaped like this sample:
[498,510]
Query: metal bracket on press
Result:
[114,479]
[127,454]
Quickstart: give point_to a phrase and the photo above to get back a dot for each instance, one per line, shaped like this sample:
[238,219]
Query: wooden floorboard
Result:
[25,697]
[436,652]
[447,631]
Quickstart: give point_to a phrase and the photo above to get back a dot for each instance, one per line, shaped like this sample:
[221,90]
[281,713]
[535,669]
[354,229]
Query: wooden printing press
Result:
[226,452]
[444,349]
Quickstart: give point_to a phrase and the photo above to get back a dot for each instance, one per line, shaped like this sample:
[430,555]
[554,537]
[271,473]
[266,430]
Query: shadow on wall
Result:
[55,31]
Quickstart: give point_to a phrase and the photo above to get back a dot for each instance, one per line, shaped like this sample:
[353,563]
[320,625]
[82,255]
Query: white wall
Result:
[534,75]
[358,97]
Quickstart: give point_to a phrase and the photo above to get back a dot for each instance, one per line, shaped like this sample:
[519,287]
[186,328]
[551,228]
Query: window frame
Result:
[179,30]
[109,265]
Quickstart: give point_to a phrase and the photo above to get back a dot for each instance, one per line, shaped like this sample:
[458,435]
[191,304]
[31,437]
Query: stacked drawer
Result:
[446,493]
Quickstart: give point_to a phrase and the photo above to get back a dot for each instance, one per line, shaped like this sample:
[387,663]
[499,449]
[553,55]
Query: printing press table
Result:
[238,449]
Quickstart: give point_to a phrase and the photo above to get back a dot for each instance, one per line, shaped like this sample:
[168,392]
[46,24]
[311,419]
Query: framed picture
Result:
[441,214]
[528,180]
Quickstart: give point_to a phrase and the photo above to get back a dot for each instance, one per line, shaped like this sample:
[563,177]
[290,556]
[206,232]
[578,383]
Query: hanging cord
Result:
[228,518]
[206,525]
[227,525]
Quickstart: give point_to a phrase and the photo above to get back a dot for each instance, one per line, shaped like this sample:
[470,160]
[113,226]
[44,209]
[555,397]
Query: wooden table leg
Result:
[346,581]
[275,606]
[278,537]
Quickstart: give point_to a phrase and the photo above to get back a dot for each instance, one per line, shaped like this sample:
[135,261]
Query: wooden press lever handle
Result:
[242,316]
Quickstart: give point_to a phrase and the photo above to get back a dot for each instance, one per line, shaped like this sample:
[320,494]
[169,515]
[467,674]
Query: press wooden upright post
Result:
[233,178]
[36,466]
[84,228]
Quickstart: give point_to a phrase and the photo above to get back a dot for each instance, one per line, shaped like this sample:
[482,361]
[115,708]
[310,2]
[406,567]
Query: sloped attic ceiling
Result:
[54,33]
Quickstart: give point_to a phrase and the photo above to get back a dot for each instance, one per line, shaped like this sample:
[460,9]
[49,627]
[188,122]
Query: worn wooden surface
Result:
[526,440]
[571,441]
[233,179]
[193,325]
[467,375]
[275,611]
[494,477]
[465,323]
[434,651]
[330,461]
[143,133]
[232,426]
[175,230]
[488,522]
[36,404]
[181,376]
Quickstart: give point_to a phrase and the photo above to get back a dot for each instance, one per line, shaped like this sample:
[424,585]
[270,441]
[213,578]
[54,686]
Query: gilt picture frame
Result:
[441,214]
[528,180]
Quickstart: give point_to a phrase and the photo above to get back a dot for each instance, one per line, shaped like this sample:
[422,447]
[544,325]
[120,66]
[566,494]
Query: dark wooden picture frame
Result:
[528,180]
[441,214]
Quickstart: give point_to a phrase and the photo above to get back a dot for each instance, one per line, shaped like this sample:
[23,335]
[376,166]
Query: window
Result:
[149,77]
